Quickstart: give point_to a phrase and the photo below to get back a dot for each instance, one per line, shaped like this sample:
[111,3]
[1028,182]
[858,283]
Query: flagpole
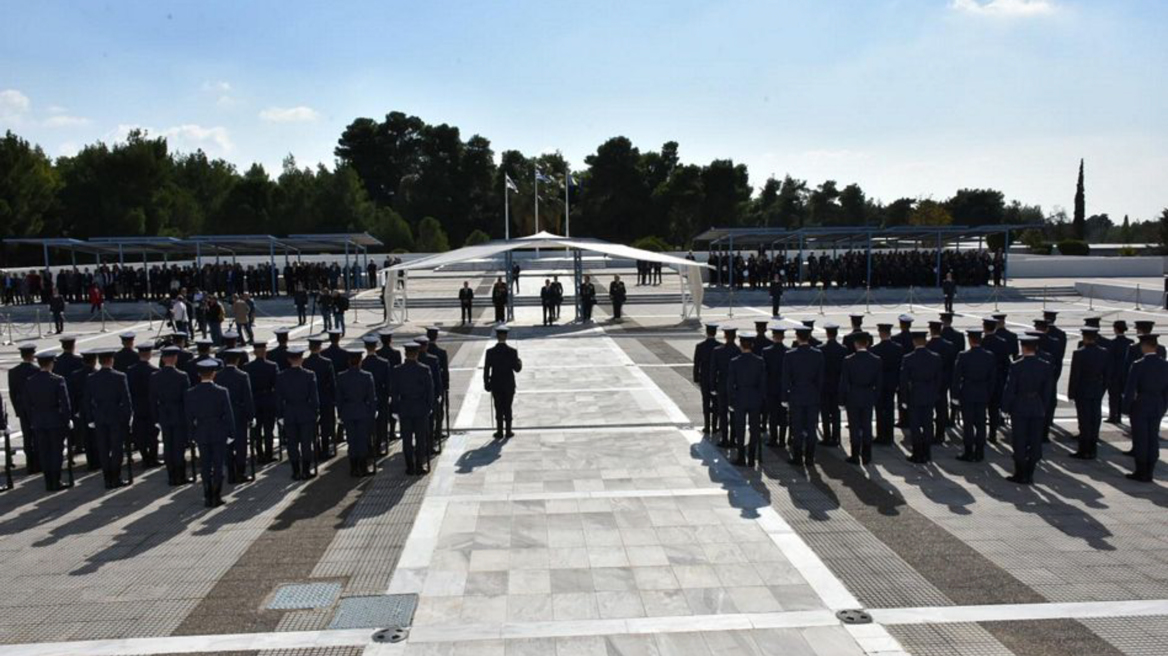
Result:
[537,208]
[567,209]
[506,209]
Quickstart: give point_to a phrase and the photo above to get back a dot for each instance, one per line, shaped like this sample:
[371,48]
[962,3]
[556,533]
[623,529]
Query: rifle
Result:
[8,485]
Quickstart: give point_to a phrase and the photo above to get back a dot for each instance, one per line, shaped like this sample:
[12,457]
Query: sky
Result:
[913,98]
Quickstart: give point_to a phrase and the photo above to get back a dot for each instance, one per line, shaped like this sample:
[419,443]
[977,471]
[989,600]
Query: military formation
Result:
[215,415]
[756,389]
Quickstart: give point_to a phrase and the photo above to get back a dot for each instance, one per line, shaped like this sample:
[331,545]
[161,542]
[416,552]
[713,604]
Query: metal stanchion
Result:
[1090,297]
[102,311]
[995,299]
[822,293]
[911,289]
[868,301]
[1044,297]
[9,317]
[40,335]
[1138,308]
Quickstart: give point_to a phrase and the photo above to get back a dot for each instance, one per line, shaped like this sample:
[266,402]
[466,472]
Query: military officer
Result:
[1000,348]
[803,388]
[143,431]
[1117,347]
[499,295]
[701,376]
[212,427]
[431,361]
[203,347]
[17,377]
[975,376]
[231,342]
[278,354]
[1027,391]
[238,386]
[904,340]
[502,363]
[413,400]
[1090,373]
[1004,333]
[776,292]
[761,341]
[720,359]
[857,328]
[261,373]
[382,373]
[1056,333]
[920,382]
[335,353]
[466,303]
[951,334]
[357,407]
[948,352]
[812,340]
[772,357]
[67,361]
[833,362]
[82,433]
[107,396]
[1095,322]
[168,388]
[860,386]
[49,412]
[891,355]
[297,406]
[587,298]
[433,349]
[179,339]
[747,388]
[1145,399]
[1136,350]
[326,383]
[547,302]
[126,357]
[1053,349]
[394,356]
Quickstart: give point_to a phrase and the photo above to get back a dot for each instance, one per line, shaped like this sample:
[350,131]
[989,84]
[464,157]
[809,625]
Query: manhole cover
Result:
[391,635]
[375,612]
[854,616]
[305,595]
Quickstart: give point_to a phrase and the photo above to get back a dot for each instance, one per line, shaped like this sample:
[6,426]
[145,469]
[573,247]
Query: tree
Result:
[792,203]
[393,231]
[248,206]
[618,199]
[1097,227]
[899,212]
[1126,231]
[977,207]
[930,213]
[28,187]
[477,237]
[1162,229]
[678,201]
[823,205]
[1079,226]
[853,206]
[431,236]
[114,190]
[726,192]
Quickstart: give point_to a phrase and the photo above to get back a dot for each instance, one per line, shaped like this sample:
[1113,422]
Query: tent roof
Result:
[542,240]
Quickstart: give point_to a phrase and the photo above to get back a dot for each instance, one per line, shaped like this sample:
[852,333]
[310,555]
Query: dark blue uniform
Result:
[701,376]
[413,400]
[238,387]
[262,372]
[67,362]
[1000,349]
[357,407]
[833,362]
[1145,399]
[49,412]
[501,365]
[143,432]
[17,377]
[948,352]
[773,356]
[1117,348]
[1090,374]
[82,433]
[903,339]
[297,405]
[921,375]
[891,355]
[125,358]
[211,425]
[747,388]
[278,355]
[326,386]
[975,376]
[860,387]
[803,386]
[107,397]
[443,358]
[720,359]
[382,374]
[168,388]
[1028,389]
[394,356]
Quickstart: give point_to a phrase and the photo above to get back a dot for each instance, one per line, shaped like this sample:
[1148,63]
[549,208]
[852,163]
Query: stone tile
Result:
[732,643]
[619,604]
[754,599]
[529,608]
[486,583]
[659,603]
[655,578]
[529,581]
[639,536]
[608,557]
[796,597]
[685,554]
[709,601]
[530,647]
[565,537]
[738,575]
[696,576]
[574,606]
[647,556]
[611,579]
[683,644]
[581,646]
[569,558]
[486,560]
[484,609]
[532,558]
[571,580]
[631,645]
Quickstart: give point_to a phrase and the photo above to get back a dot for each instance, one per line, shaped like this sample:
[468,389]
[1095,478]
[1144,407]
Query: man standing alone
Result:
[502,363]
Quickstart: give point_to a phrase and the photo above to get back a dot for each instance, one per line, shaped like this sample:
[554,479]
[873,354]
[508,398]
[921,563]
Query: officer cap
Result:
[179,335]
[935,324]
[281,331]
[760,323]
[973,332]
[46,356]
[1089,330]
[334,332]
[295,352]
[747,342]
[1145,326]
[370,339]
[803,331]
[204,341]
[778,327]
[89,356]
[711,328]
[230,334]
[1092,321]
[1120,324]
[412,347]
[856,317]
[127,336]
[1036,334]
[1149,338]
[1028,340]
[431,330]
[905,318]
[68,339]
[355,353]
[946,316]
[422,339]
[235,352]
[831,325]
[262,344]
[168,351]
[1050,315]
[105,352]
[730,330]
[28,348]
[209,364]
[502,329]
[145,348]
[385,333]
[315,339]
[918,334]
[1040,323]
[887,327]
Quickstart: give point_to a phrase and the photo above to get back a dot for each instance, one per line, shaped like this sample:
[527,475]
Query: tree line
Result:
[423,187]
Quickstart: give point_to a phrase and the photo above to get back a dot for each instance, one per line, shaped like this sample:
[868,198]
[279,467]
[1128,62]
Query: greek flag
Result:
[511,183]
[569,180]
[541,177]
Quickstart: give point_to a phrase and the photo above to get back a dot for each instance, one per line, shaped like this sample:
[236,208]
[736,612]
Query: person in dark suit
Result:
[431,361]
[326,383]
[238,386]
[413,400]
[617,294]
[335,353]
[547,302]
[803,387]
[747,388]
[278,354]
[212,427]
[357,406]
[143,430]
[557,296]
[975,374]
[904,340]
[261,373]
[382,373]
[1145,400]
[49,414]
[202,352]
[502,363]
[891,355]
[466,303]
[833,362]
[67,360]
[720,359]
[860,386]
[1090,373]
[1027,392]
[997,345]
[394,357]
[1004,333]
[949,289]
[1054,348]
[443,390]
[179,339]
[499,295]
[948,352]
[297,405]
[17,377]
[701,376]
[776,292]
[772,357]
[126,357]
[587,298]
[82,434]
[951,334]
[920,382]
[1117,347]
[849,341]
[107,396]
[168,388]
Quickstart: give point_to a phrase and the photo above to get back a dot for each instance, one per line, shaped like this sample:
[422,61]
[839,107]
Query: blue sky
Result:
[906,97]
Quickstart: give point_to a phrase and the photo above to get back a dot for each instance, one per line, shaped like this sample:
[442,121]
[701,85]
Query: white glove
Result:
[252,423]
[92,425]
[158,426]
[230,441]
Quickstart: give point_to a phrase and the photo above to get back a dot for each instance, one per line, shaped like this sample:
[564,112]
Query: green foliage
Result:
[477,237]
[28,188]
[930,213]
[997,241]
[652,243]
[431,237]
[1079,222]
[1035,242]
[1127,251]
[977,207]
[392,230]
[1162,230]
[1073,247]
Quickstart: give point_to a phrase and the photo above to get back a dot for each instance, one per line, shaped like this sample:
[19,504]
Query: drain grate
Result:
[375,612]
[854,616]
[299,596]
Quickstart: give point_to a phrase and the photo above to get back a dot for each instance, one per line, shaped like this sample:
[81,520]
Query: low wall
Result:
[1070,266]
[1152,297]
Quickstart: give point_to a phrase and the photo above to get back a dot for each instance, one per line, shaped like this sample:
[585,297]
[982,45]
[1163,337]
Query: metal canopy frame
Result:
[357,243]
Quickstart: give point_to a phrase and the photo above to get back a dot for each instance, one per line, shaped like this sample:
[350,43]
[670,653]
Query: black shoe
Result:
[965,457]
[1079,455]
[510,434]
[809,460]
[796,461]
[1134,476]
[1014,478]
[854,460]
[498,435]
[1129,452]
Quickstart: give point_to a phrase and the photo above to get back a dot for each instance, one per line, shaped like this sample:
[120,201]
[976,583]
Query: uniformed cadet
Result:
[238,386]
[860,386]
[948,290]
[297,407]
[747,388]
[278,354]
[951,334]
[67,360]
[948,352]
[107,397]
[168,388]
[1145,400]
[803,389]
[776,292]
[262,372]
[1095,322]
[430,360]
[1027,392]
[811,339]
[126,357]
[17,377]
[82,433]
[335,353]
[143,431]
[413,400]
[849,341]
[891,355]
[502,363]
[761,341]
[587,298]
[1090,373]
[179,339]
[833,362]
[1117,347]
[904,340]
[357,407]
[772,357]
[1136,350]
[720,359]
[1052,347]
[47,404]
[1000,348]
[975,375]
[211,426]
[499,293]
[1056,333]
[202,352]
[230,343]
[326,384]
[920,382]
[433,349]
[382,373]
[1005,334]
[394,356]
[701,376]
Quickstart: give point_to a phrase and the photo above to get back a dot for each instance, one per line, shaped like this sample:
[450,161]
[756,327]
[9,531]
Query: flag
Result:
[541,177]
[569,180]
[511,183]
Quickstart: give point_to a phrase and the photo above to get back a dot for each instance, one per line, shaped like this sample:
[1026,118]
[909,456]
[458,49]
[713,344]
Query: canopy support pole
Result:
[578,278]
[510,295]
[146,270]
[272,263]
[938,258]
[868,277]
[346,272]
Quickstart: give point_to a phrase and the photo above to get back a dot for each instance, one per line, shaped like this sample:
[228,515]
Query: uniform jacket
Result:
[262,375]
[1146,393]
[125,358]
[861,376]
[833,363]
[107,396]
[76,385]
[338,356]
[1029,387]
[1090,373]
[975,376]
[208,413]
[921,377]
[1117,347]
[720,359]
[356,396]
[948,352]
[773,356]
[382,373]
[297,395]
[954,337]
[48,401]
[443,363]
[17,377]
[238,387]
[138,378]
[279,355]
[326,377]
[502,363]
[168,387]
[67,363]
[891,356]
[701,362]
[466,295]
[747,384]
[1011,340]
[413,389]
[803,375]
[390,353]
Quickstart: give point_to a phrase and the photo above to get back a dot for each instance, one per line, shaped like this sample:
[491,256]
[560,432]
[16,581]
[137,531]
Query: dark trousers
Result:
[32,458]
[920,425]
[50,441]
[777,420]
[238,450]
[212,457]
[995,416]
[1114,399]
[1090,415]
[502,400]
[616,310]
[1026,438]
[466,312]
[500,312]
[59,322]
[941,415]
[264,434]
[1145,441]
[549,314]
[414,442]
[358,434]
[749,449]
[948,302]
[83,441]
[586,308]
[299,437]
[1051,404]
[111,442]
[145,436]
[725,428]
[439,417]
[973,429]
[174,444]
[709,411]
[328,426]
[803,421]
[776,305]
[830,415]
[885,417]
[860,431]
[381,425]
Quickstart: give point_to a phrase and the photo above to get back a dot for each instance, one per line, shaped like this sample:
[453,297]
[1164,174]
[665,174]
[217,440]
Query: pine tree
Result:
[1079,223]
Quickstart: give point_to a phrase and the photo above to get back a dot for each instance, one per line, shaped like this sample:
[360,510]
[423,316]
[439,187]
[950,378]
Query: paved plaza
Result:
[606,526]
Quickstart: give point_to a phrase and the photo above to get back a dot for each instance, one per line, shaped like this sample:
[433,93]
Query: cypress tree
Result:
[1079,224]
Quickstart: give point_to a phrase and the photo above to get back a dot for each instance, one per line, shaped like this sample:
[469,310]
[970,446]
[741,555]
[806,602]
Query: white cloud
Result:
[1005,8]
[298,114]
[13,104]
[65,121]
[56,109]
[217,87]
[191,136]
[68,149]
